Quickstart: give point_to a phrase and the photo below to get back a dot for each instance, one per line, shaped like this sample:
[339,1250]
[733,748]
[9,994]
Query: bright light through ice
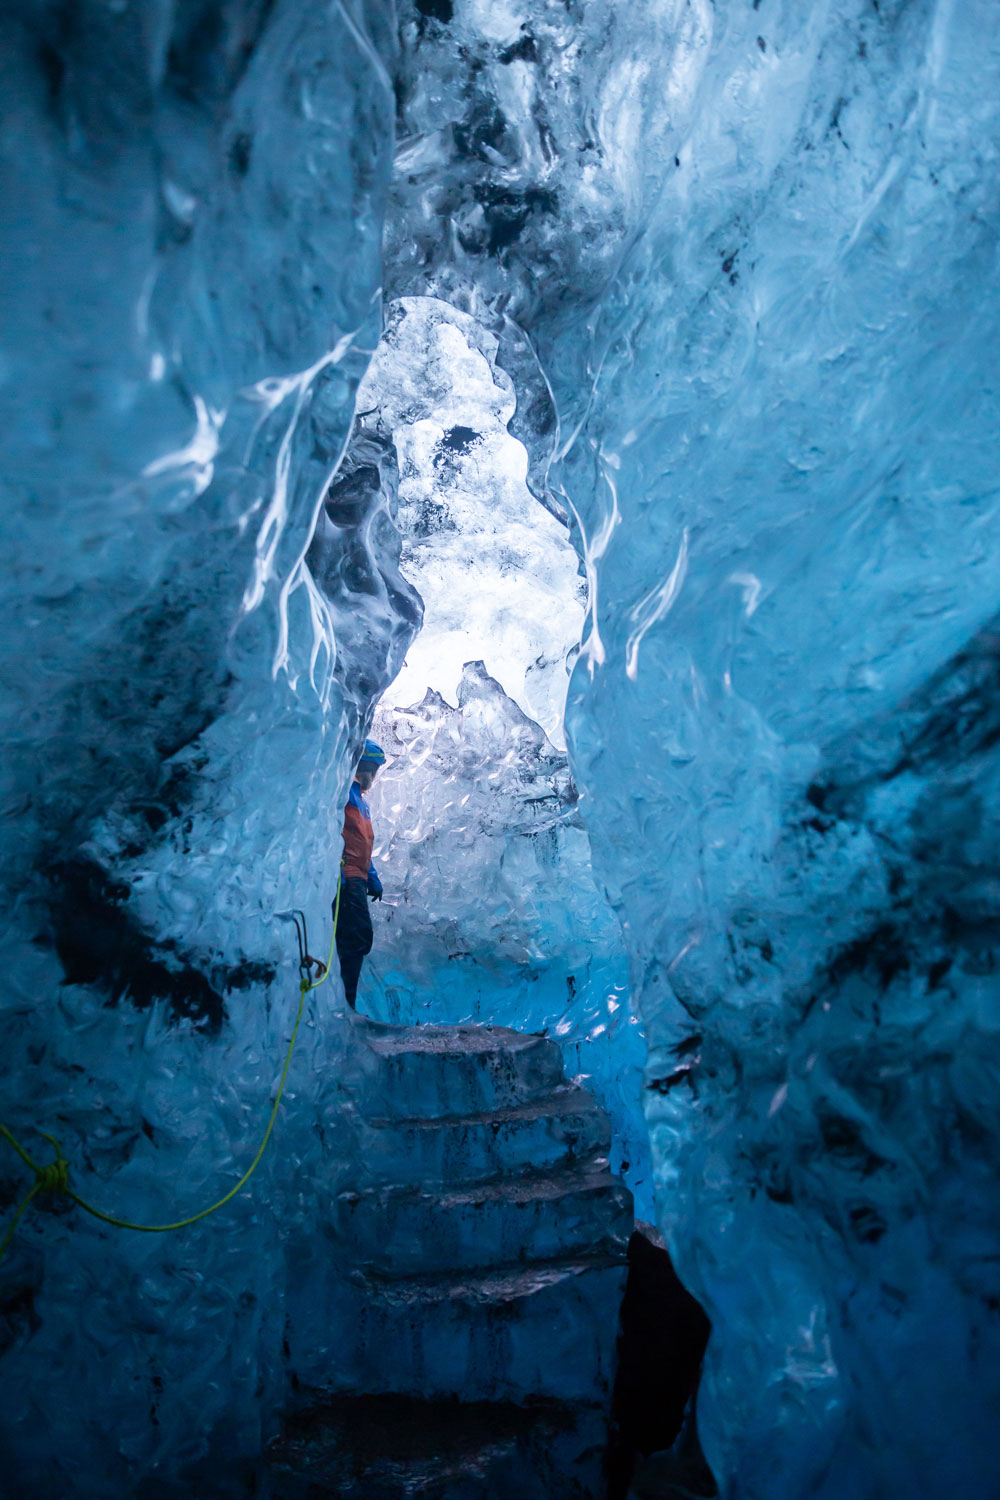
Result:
[497,573]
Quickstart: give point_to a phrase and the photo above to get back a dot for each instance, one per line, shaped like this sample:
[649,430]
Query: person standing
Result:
[359,878]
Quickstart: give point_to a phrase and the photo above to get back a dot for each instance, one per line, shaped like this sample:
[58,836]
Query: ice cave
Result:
[595,406]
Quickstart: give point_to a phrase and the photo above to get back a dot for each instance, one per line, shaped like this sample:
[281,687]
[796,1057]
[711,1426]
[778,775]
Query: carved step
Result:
[430,1071]
[564,1126]
[406,1230]
[384,1447]
[482,1250]
[546,1329]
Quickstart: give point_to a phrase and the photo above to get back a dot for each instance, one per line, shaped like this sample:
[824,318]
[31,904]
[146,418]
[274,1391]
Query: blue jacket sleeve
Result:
[374,884]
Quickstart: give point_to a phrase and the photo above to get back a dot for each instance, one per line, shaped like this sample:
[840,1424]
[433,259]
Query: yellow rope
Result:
[53,1177]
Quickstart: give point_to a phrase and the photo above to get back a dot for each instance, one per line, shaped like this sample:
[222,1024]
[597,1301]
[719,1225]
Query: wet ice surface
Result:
[773,385]
[180,695]
[739,261]
[812,965]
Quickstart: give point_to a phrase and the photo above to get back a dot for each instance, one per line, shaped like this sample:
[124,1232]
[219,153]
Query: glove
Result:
[374,888]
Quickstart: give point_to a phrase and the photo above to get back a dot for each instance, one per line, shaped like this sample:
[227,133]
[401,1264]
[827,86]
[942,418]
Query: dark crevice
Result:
[664,1335]
[525,49]
[507,211]
[459,439]
[882,951]
[441,11]
[100,943]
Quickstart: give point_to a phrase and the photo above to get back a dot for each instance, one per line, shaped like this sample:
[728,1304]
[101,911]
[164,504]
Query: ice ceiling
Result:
[727,272]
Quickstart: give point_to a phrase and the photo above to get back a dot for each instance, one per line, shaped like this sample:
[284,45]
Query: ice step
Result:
[483,1253]
[547,1329]
[394,1447]
[500,1285]
[407,1230]
[458,1070]
[542,1133]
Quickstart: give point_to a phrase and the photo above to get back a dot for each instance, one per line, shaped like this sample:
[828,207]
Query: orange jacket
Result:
[359,838]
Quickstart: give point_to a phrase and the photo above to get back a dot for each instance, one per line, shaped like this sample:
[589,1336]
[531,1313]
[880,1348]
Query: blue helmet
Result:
[372,755]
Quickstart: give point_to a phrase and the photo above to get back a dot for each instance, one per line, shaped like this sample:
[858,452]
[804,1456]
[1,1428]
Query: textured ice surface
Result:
[190,297]
[802,425]
[739,261]
[753,249]
[197,629]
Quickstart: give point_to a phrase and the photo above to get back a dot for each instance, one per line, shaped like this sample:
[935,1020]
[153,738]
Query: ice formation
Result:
[774,388]
[497,574]
[491,911]
[733,265]
[191,297]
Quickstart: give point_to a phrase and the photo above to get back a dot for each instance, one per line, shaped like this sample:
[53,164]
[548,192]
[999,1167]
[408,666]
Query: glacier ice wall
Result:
[738,260]
[803,427]
[191,295]
[747,257]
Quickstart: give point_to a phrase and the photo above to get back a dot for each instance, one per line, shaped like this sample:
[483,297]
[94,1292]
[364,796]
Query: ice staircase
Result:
[483,1256]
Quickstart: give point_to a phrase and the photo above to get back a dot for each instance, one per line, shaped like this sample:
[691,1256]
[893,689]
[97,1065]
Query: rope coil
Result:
[53,1176]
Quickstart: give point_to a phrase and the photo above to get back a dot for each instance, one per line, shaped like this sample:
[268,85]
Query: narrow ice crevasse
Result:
[491,913]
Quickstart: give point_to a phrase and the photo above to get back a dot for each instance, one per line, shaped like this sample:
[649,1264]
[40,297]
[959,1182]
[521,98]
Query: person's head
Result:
[371,762]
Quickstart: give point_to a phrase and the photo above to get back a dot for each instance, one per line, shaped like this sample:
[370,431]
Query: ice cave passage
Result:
[597,406]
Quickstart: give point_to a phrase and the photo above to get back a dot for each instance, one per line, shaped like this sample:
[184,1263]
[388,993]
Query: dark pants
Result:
[354,933]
